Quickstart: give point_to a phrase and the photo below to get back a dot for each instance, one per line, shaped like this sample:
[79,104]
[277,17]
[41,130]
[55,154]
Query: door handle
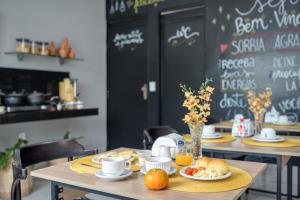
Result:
[144,90]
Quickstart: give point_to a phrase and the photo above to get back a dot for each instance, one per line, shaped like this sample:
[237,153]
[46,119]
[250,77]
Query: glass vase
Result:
[258,123]
[196,133]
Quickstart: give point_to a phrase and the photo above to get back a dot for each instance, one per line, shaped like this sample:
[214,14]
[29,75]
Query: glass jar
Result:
[44,49]
[35,47]
[23,45]
[184,156]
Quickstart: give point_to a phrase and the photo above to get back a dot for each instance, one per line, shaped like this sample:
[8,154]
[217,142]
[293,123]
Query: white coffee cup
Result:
[268,133]
[114,166]
[209,130]
[283,119]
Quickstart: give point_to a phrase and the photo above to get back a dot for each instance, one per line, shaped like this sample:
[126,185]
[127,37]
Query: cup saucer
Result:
[212,136]
[171,172]
[264,139]
[125,174]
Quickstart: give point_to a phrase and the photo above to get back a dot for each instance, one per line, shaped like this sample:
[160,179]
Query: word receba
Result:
[248,45]
[234,64]
[134,37]
[287,41]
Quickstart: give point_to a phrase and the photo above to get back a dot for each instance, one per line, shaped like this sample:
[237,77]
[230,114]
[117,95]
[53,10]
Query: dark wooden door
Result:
[182,61]
[127,67]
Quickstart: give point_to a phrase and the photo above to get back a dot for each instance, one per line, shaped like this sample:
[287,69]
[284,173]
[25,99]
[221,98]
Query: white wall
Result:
[83,22]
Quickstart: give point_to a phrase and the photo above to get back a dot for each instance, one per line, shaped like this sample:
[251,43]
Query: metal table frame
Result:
[278,158]
[57,189]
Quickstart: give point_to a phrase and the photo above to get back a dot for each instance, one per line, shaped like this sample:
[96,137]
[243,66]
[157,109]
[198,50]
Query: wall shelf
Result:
[10,118]
[20,56]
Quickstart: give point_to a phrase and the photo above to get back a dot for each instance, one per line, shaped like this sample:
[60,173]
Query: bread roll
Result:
[202,162]
[220,166]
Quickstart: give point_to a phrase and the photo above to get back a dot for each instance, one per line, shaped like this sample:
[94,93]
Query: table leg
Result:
[289,181]
[55,191]
[298,181]
[278,162]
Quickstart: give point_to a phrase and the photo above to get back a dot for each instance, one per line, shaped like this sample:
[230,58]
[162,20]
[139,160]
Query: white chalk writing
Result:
[134,37]
[248,45]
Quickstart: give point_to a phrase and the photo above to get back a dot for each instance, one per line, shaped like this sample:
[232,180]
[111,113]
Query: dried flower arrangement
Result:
[198,103]
[258,104]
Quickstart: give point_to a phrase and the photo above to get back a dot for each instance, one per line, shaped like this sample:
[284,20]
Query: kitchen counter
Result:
[18,117]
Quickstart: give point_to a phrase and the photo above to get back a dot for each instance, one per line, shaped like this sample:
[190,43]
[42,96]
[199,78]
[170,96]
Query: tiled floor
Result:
[266,181]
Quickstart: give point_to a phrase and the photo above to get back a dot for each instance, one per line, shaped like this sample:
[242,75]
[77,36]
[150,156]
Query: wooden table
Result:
[282,156]
[228,125]
[133,187]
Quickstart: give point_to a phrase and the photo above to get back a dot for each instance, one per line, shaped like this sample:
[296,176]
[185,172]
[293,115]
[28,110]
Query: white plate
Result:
[98,161]
[182,173]
[277,139]
[284,124]
[212,136]
[171,172]
[125,174]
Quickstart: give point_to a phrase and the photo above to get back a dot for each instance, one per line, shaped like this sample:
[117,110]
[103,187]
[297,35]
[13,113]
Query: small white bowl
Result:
[163,163]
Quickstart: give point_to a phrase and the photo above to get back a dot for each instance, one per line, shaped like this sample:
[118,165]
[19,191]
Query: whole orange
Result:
[156,179]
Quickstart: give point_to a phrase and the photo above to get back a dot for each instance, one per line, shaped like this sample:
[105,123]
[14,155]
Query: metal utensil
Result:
[87,165]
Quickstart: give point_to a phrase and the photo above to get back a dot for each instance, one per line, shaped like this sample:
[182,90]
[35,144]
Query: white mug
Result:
[164,151]
[114,166]
[283,119]
[268,133]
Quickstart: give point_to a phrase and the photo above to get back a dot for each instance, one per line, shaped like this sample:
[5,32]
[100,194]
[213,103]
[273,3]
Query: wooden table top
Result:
[133,187]
[228,125]
[239,146]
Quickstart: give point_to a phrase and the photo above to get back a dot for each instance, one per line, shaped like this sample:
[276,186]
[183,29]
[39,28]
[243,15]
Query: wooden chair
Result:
[152,133]
[41,152]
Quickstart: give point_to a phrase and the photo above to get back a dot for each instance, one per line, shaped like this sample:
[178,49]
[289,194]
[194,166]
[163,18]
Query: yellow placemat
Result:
[289,142]
[225,138]
[239,179]
[294,126]
[226,123]
[80,165]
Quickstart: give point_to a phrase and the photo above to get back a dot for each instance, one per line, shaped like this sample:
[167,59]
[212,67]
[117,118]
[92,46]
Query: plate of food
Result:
[128,155]
[206,169]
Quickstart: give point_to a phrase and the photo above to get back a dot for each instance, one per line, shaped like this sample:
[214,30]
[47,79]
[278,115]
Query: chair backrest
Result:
[41,152]
[152,133]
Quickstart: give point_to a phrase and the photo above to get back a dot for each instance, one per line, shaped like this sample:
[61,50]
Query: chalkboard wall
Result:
[253,44]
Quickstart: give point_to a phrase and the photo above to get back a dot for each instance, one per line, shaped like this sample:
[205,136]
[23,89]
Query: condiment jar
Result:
[35,47]
[23,45]
[44,49]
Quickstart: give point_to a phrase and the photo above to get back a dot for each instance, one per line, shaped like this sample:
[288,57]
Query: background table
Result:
[228,125]
[282,156]
[133,187]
